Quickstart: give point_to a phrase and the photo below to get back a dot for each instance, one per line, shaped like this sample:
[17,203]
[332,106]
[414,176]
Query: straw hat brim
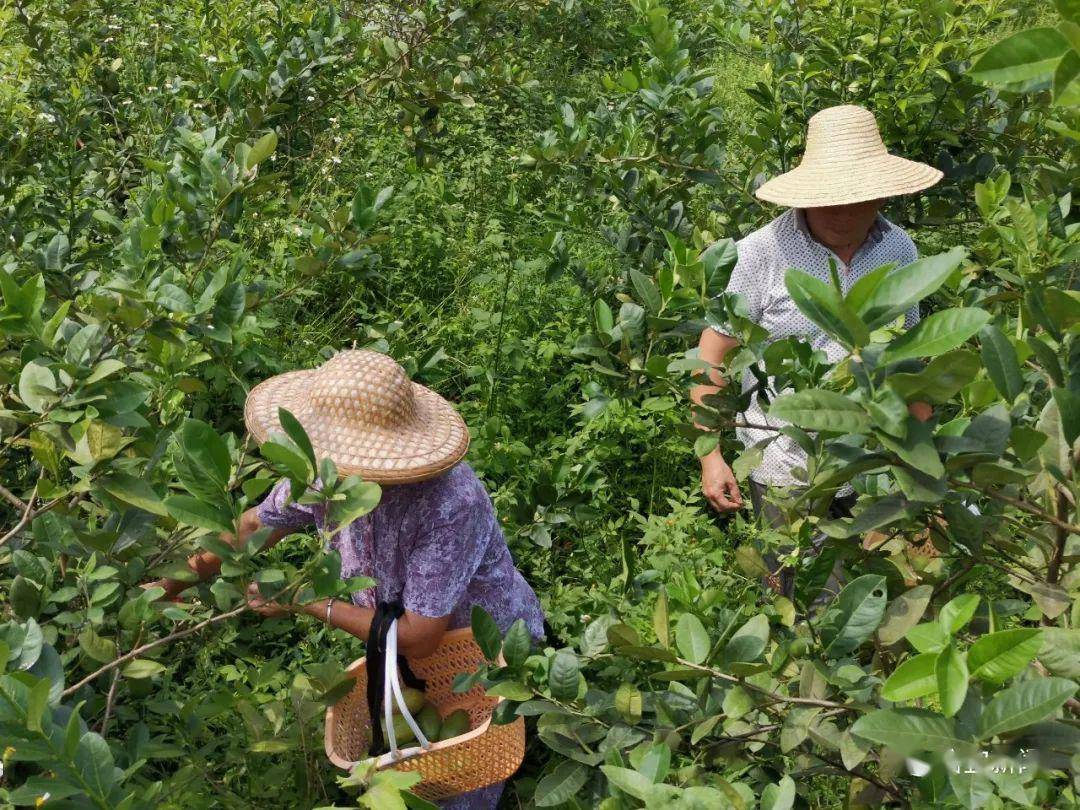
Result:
[855,181]
[433,442]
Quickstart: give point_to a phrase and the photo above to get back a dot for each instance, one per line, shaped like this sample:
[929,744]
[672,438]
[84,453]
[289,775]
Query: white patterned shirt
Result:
[758,276]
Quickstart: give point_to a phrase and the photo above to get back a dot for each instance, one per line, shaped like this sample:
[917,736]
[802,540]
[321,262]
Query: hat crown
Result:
[363,387]
[843,134]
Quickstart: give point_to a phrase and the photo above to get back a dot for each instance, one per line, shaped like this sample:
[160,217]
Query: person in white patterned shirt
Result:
[834,198]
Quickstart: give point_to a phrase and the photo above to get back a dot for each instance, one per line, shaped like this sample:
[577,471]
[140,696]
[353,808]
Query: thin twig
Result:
[28,515]
[775,696]
[109,703]
[15,500]
[152,645]
[1072,528]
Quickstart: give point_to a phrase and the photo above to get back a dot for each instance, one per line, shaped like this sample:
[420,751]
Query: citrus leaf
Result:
[997,657]
[936,334]
[817,409]
[915,678]
[1024,704]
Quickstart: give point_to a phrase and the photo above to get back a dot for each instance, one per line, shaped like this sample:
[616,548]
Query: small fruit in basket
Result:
[455,724]
[429,721]
[414,699]
[402,733]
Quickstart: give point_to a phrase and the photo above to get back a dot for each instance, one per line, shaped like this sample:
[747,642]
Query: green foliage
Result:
[521,202]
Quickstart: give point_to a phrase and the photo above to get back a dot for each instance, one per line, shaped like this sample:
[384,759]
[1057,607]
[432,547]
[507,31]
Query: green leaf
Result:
[737,702]
[957,612]
[605,320]
[692,638]
[561,785]
[927,637]
[704,445]
[262,149]
[360,498]
[864,287]
[936,334]
[141,668]
[511,690]
[780,796]
[999,357]
[206,451]
[37,703]
[908,730]
[98,648]
[1022,57]
[822,304]
[903,613]
[656,762]
[1067,81]
[1024,704]
[1068,405]
[294,465]
[628,781]
[132,490]
[647,291]
[941,379]
[796,727]
[517,644]
[193,512]
[486,633]
[952,680]
[906,286]
[915,678]
[1069,9]
[660,619]
[564,675]
[629,703]
[749,641]
[37,387]
[94,762]
[818,409]
[855,615]
[997,657]
[295,431]
[1060,651]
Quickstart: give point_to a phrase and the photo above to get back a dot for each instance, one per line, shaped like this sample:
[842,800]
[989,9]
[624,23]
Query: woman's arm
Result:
[717,480]
[418,636]
[206,565]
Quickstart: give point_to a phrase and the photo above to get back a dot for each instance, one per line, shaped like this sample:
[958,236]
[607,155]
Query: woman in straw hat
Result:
[433,543]
[833,197]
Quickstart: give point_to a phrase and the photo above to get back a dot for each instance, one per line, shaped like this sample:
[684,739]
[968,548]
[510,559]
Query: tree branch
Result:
[179,634]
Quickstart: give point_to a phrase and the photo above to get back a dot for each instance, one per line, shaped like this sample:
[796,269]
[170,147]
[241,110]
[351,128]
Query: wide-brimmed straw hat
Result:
[846,162]
[360,409]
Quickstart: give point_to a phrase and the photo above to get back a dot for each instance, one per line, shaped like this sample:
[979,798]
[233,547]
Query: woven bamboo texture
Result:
[360,409]
[484,755]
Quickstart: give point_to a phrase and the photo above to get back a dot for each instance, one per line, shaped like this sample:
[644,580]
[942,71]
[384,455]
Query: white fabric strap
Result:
[392,691]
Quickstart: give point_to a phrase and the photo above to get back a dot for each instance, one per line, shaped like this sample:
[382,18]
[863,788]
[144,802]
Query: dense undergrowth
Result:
[530,205]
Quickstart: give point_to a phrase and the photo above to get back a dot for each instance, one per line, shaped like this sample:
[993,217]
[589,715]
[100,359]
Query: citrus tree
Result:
[944,673]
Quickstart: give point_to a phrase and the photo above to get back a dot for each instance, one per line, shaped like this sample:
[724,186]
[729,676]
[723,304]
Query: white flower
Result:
[211,59]
[585,618]
[311,98]
[335,160]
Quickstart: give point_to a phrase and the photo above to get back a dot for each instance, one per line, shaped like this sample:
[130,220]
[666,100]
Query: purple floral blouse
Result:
[436,545]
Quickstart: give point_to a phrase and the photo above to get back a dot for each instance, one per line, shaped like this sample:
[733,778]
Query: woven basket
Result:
[484,755]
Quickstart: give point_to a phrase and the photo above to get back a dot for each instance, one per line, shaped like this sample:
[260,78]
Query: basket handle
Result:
[392,692]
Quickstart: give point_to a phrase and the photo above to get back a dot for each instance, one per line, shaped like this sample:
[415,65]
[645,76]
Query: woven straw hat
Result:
[360,409]
[846,162]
